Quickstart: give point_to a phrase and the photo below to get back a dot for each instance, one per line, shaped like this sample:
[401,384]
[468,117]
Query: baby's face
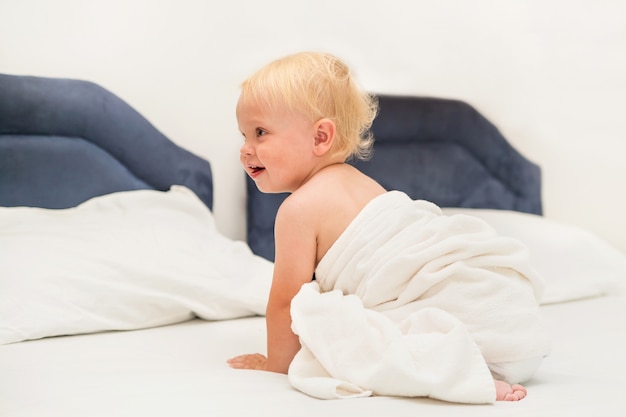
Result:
[277,152]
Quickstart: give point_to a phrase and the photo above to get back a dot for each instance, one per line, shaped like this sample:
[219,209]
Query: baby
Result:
[302,117]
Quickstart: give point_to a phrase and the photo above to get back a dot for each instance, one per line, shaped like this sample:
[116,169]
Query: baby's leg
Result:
[514,372]
[508,392]
[506,375]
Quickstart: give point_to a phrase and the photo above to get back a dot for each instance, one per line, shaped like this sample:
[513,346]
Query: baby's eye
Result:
[260,132]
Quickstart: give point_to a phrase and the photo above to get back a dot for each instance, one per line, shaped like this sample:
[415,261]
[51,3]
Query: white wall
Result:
[551,74]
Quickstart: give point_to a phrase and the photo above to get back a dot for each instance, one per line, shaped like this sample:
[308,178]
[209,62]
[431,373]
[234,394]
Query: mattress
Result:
[181,370]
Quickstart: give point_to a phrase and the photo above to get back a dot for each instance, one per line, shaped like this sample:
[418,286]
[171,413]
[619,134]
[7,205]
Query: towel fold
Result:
[409,302]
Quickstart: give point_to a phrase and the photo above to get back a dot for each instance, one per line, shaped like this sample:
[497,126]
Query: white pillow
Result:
[574,263]
[122,261]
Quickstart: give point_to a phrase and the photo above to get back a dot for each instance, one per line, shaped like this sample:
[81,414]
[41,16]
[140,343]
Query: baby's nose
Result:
[245,150]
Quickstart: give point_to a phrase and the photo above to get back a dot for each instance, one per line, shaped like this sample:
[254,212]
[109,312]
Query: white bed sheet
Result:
[181,370]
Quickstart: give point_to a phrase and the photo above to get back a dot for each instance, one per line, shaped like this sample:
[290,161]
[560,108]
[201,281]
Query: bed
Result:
[118,296]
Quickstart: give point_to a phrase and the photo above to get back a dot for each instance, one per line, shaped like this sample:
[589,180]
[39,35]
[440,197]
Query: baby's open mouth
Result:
[256,169]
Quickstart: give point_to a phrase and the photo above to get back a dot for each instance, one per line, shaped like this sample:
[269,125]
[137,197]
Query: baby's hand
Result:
[253,361]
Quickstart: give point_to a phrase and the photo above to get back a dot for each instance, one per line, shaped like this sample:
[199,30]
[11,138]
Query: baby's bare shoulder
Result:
[320,190]
[336,190]
[308,199]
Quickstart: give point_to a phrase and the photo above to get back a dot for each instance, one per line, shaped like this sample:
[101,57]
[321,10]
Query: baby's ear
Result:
[324,136]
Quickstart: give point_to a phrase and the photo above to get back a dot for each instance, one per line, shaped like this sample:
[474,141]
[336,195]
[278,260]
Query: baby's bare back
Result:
[334,197]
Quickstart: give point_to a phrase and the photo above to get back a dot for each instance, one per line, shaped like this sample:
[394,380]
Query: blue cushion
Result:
[64,141]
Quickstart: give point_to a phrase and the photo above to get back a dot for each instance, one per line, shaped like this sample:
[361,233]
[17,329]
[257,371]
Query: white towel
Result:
[410,302]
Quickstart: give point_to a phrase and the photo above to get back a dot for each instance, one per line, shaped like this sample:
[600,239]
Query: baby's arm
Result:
[294,265]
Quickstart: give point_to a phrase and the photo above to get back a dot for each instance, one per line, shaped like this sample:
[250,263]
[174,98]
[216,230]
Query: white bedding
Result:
[181,370]
[122,261]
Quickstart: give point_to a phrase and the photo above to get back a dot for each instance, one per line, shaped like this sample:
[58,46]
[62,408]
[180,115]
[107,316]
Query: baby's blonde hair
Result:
[318,85]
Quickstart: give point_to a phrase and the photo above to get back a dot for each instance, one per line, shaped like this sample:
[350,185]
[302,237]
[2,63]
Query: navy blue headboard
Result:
[434,149]
[64,141]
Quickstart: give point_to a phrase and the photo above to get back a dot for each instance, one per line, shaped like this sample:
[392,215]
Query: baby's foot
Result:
[507,392]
